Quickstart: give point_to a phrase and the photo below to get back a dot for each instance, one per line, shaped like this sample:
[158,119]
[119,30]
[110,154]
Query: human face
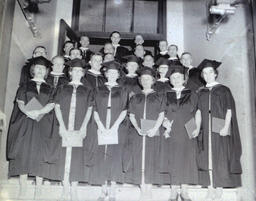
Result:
[96,62]
[139,40]
[186,60]
[177,79]
[108,49]
[163,46]
[68,47]
[132,67]
[139,51]
[58,65]
[115,38]
[209,75]
[77,73]
[75,54]
[39,52]
[172,51]
[146,81]
[148,61]
[112,75]
[39,71]
[163,69]
[109,57]
[84,41]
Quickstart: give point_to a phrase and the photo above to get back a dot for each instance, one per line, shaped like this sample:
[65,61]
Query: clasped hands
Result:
[64,133]
[105,131]
[33,114]
[150,133]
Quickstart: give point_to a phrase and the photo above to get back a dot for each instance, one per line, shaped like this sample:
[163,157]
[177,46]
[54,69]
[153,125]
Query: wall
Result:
[21,47]
[233,46]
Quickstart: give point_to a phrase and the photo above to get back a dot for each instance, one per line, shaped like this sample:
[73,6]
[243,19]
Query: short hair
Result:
[163,41]
[215,71]
[39,46]
[58,56]
[71,68]
[96,54]
[184,53]
[74,48]
[32,71]
[153,79]
[114,32]
[68,41]
[173,45]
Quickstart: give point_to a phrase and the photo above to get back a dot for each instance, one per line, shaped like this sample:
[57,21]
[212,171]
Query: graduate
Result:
[163,50]
[148,61]
[143,169]
[93,77]
[119,51]
[73,109]
[25,75]
[108,49]
[75,53]
[139,52]
[178,150]
[30,127]
[84,44]
[130,81]
[193,74]
[162,84]
[219,141]
[173,55]
[57,77]
[110,109]
[139,40]
[68,45]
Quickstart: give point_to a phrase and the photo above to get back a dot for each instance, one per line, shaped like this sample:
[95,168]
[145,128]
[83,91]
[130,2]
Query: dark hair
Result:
[96,54]
[70,70]
[114,32]
[153,78]
[39,46]
[32,71]
[74,48]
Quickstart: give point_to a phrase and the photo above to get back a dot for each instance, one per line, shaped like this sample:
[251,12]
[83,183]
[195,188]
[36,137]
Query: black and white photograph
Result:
[127,100]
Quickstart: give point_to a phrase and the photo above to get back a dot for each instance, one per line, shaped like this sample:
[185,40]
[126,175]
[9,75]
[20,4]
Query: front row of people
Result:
[105,136]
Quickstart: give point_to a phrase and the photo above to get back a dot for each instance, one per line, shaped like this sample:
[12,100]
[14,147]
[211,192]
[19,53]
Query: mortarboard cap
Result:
[176,69]
[209,63]
[131,58]
[76,63]
[162,61]
[41,61]
[147,71]
[111,65]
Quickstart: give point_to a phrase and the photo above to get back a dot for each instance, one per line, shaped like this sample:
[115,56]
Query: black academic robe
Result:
[60,80]
[57,153]
[162,87]
[173,62]
[194,79]
[93,80]
[86,55]
[178,152]
[155,104]
[106,161]
[158,56]
[25,75]
[121,52]
[28,139]
[131,84]
[226,151]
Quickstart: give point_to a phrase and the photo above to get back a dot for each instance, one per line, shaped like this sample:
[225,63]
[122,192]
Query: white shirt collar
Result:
[84,48]
[178,89]
[172,58]
[56,74]
[164,52]
[75,83]
[94,71]
[116,45]
[163,79]
[132,75]
[211,84]
[38,80]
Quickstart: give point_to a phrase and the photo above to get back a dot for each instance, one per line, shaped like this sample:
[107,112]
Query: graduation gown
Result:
[121,52]
[25,75]
[56,81]
[131,84]
[155,104]
[226,151]
[86,55]
[158,56]
[107,160]
[178,152]
[194,80]
[162,87]
[57,153]
[27,139]
[92,80]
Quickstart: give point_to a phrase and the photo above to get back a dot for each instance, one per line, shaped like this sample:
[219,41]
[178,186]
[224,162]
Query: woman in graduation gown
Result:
[178,150]
[57,77]
[93,77]
[219,149]
[147,105]
[162,84]
[73,108]
[30,126]
[130,81]
[110,110]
